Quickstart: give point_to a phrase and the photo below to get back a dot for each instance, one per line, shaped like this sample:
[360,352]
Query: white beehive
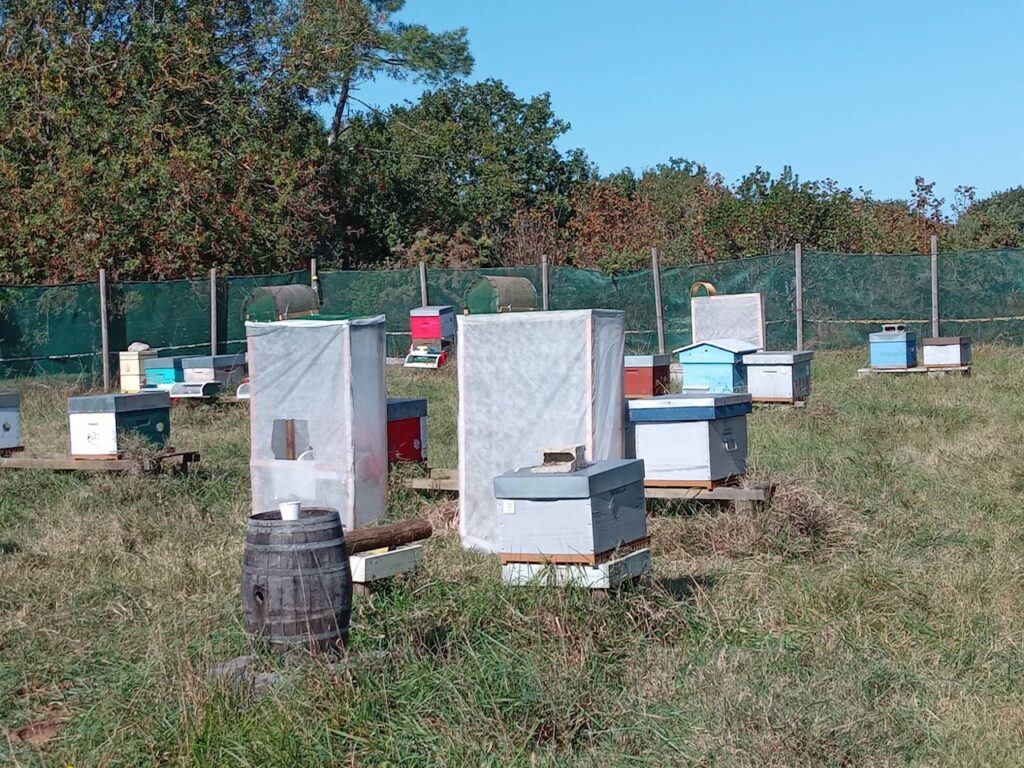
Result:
[946,352]
[318,416]
[689,440]
[778,377]
[528,381]
[10,420]
[570,516]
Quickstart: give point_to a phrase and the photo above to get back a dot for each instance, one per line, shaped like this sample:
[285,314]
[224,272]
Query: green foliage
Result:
[457,164]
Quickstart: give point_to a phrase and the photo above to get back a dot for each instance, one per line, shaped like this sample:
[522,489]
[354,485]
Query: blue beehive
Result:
[164,370]
[893,347]
[715,366]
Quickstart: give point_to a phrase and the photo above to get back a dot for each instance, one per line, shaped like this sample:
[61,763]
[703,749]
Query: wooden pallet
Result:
[779,401]
[438,480]
[176,462]
[597,578]
[575,559]
[448,480]
[952,370]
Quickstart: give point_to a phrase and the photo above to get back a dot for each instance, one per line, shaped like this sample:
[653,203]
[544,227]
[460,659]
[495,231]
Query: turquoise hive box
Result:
[164,370]
[715,366]
[893,347]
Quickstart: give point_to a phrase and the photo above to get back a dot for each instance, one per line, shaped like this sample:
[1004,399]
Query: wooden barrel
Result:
[296,582]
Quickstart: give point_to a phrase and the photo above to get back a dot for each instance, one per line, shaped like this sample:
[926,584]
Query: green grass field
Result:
[874,615]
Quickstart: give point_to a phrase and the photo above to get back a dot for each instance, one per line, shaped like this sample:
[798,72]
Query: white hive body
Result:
[946,352]
[529,381]
[782,377]
[689,438]
[318,416]
[588,512]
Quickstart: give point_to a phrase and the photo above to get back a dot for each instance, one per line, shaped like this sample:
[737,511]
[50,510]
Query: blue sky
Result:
[869,93]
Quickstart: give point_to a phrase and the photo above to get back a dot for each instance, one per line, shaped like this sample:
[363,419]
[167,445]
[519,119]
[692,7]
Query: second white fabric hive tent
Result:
[529,381]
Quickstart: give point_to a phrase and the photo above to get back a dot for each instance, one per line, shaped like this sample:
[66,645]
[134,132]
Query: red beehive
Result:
[430,323]
[407,430]
[646,375]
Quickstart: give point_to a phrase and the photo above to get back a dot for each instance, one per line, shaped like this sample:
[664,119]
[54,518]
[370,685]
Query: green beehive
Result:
[501,294]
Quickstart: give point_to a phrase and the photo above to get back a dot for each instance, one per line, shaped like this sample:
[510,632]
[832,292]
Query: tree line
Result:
[159,138]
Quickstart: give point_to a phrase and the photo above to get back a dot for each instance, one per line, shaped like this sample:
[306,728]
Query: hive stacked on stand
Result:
[433,334]
[646,375]
[407,430]
[690,440]
[587,526]
[100,423]
[10,421]
[715,366]
[778,377]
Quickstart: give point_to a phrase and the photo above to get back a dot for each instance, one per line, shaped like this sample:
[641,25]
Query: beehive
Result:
[407,429]
[225,370]
[99,423]
[646,375]
[131,369]
[163,371]
[778,377]
[946,352]
[715,366]
[571,516]
[432,323]
[893,347]
[10,420]
[689,440]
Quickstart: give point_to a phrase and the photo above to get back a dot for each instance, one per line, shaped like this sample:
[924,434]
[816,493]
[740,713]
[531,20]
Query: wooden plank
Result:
[64,463]
[956,370]
[575,559]
[432,483]
[728,493]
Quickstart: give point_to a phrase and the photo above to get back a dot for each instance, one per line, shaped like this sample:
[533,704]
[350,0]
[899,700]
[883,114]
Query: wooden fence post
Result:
[104,331]
[423,284]
[213,310]
[544,284]
[656,274]
[935,285]
[799,290]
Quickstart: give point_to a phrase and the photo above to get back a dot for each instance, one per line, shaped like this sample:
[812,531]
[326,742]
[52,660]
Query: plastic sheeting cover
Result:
[732,316]
[530,381]
[327,377]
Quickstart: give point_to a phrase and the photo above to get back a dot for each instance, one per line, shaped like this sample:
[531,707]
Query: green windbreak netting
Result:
[846,296]
[49,330]
[981,294]
[173,316]
[56,329]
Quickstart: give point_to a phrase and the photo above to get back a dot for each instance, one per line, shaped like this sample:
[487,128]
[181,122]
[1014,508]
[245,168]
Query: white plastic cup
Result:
[290,510]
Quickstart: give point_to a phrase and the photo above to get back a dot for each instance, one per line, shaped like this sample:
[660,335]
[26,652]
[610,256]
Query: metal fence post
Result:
[104,331]
[656,274]
[544,284]
[799,290]
[935,285]
[213,311]
[423,284]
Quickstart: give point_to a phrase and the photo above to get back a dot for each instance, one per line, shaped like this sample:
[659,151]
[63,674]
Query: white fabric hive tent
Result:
[318,416]
[530,381]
